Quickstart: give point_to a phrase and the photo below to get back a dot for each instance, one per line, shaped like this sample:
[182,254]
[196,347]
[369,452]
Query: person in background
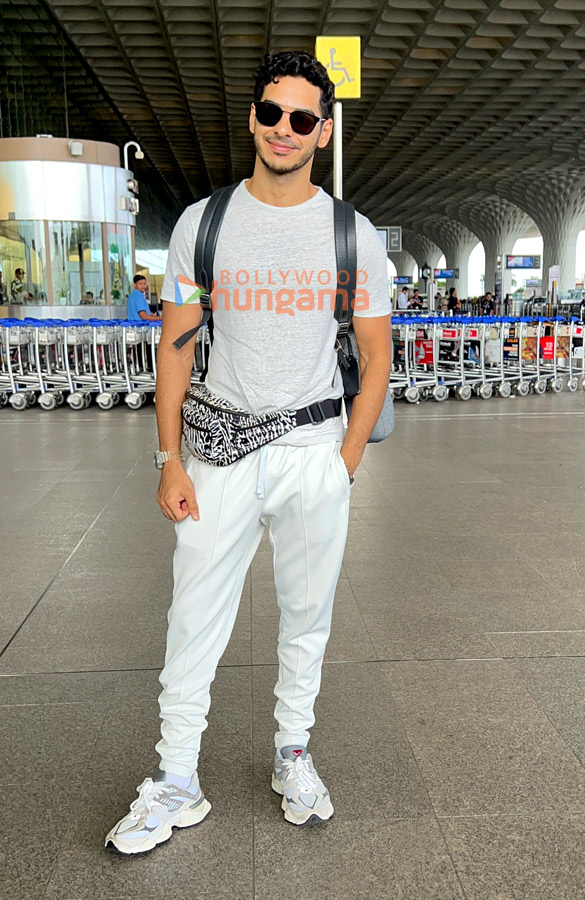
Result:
[488,306]
[88,299]
[403,299]
[137,307]
[3,297]
[18,291]
[415,301]
[454,303]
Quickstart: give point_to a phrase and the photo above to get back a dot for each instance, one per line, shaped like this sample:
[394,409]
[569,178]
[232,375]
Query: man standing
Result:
[278,238]
[137,307]
[18,291]
[488,305]
[403,299]
[454,303]
[415,301]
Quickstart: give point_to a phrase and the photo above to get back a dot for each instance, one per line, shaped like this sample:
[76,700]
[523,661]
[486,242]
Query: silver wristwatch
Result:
[163,456]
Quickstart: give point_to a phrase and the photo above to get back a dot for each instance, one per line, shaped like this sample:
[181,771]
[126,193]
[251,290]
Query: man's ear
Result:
[326,132]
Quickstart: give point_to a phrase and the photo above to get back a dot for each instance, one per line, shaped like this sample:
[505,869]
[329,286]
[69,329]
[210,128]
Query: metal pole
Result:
[337,150]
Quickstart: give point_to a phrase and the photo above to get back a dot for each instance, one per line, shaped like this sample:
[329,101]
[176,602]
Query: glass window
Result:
[120,262]
[76,263]
[22,251]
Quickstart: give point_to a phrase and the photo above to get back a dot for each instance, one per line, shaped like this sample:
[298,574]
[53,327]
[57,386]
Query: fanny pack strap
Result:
[318,412]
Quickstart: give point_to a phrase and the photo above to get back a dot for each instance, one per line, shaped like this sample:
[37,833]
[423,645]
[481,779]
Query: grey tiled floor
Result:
[451,722]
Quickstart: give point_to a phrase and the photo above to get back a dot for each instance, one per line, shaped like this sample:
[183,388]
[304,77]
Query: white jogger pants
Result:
[302,495]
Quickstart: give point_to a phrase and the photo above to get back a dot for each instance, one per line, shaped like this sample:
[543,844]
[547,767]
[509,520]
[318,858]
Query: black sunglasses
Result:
[269,114]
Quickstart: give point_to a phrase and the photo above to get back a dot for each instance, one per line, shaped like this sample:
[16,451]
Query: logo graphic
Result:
[297,753]
[186,291]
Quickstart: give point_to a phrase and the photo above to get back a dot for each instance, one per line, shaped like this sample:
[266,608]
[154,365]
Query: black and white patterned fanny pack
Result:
[219,433]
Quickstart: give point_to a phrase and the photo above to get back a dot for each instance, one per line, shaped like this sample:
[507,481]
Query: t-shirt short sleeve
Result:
[179,281]
[136,304]
[372,295]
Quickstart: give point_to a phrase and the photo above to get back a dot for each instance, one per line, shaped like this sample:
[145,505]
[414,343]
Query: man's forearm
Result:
[366,408]
[172,382]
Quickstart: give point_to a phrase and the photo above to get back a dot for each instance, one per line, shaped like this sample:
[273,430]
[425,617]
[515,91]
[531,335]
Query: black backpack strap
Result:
[205,244]
[346,257]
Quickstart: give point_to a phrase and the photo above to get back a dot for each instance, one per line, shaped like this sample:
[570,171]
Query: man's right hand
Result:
[176,495]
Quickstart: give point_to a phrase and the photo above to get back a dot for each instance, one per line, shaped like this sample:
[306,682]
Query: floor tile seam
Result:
[71,554]
[565,814]
[425,785]
[542,710]
[458,875]
[544,630]
[52,703]
[361,615]
[75,795]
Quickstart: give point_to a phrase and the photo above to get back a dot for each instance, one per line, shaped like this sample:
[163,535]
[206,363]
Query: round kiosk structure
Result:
[67,220]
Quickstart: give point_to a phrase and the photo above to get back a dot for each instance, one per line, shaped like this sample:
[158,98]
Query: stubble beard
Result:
[284,169]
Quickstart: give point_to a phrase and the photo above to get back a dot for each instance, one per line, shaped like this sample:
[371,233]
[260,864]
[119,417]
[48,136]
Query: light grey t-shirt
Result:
[274,330]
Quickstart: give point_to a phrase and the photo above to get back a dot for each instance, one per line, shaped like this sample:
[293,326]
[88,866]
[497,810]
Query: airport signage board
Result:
[341,56]
[402,279]
[532,282]
[391,237]
[441,274]
[523,262]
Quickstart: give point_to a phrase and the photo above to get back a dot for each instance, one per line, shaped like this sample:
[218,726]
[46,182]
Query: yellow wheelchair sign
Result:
[341,56]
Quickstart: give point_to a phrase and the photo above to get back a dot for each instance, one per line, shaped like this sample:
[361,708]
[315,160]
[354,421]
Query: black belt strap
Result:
[318,412]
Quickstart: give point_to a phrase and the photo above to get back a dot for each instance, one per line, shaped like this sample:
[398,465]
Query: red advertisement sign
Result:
[547,347]
[423,352]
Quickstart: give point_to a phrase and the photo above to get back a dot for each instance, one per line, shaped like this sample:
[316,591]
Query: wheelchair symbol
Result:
[334,66]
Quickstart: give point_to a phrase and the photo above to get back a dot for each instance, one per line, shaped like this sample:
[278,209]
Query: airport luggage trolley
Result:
[110,378]
[402,384]
[77,344]
[575,369]
[422,343]
[19,381]
[50,363]
[450,358]
[138,372]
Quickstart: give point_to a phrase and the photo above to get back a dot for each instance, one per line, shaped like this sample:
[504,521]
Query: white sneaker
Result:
[305,799]
[159,807]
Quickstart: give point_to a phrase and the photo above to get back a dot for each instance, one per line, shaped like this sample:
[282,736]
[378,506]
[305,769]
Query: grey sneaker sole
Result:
[187,818]
[323,814]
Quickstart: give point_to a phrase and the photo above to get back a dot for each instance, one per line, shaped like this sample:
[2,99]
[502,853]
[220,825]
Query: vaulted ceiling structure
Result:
[471,112]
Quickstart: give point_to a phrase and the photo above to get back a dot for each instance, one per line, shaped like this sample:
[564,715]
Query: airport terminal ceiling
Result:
[471,110]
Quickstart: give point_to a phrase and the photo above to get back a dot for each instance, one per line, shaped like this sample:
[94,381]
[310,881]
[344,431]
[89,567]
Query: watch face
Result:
[158,459]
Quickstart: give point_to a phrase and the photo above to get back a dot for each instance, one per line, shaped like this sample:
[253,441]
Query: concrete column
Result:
[422,248]
[403,261]
[556,201]
[498,224]
[457,242]
[560,235]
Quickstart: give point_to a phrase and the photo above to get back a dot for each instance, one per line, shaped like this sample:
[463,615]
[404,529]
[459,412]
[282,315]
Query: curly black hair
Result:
[300,65]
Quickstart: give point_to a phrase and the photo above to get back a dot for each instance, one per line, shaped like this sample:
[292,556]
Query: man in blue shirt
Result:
[137,306]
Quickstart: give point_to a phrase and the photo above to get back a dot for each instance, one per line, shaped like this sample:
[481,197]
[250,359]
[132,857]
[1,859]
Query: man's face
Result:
[281,149]
[141,285]
[20,275]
